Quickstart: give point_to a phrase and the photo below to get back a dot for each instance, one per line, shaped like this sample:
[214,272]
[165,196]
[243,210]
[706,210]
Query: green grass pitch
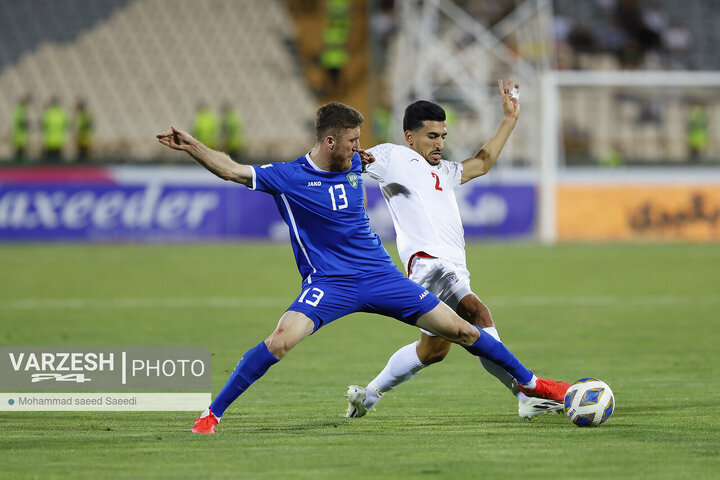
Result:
[643,318]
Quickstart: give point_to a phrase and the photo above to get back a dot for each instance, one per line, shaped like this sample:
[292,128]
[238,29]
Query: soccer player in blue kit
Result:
[344,267]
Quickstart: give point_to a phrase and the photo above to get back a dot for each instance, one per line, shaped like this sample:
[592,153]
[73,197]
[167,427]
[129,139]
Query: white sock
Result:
[496,370]
[207,412]
[372,395]
[531,384]
[402,366]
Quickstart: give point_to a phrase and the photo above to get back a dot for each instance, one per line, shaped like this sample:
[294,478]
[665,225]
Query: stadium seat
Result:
[140,72]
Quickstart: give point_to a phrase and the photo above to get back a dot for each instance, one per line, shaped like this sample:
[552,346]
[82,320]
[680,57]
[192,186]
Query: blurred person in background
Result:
[336,33]
[641,39]
[20,129]
[233,131]
[55,124]
[206,127]
[613,157]
[697,132]
[382,26]
[677,39]
[83,131]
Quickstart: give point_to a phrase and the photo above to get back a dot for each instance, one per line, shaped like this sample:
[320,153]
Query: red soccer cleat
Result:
[548,389]
[205,424]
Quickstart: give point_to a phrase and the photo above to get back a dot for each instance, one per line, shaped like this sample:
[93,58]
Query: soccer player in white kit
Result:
[418,187]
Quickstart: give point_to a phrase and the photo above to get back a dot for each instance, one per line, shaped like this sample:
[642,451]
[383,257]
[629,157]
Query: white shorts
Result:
[449,281]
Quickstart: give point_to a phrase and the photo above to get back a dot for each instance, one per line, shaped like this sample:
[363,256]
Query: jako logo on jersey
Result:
[352,178]
[266,165]
[314,184]
[424,294]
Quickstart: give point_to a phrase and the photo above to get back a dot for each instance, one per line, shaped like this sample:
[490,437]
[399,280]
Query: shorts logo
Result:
[451,277]
[314,184]
[352,178]
[424,294]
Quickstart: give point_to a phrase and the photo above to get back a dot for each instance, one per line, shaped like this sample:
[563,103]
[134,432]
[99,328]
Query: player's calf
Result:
[432,349]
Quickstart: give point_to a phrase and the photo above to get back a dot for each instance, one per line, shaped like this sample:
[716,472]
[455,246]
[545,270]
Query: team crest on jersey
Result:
[451,278]
[352,178]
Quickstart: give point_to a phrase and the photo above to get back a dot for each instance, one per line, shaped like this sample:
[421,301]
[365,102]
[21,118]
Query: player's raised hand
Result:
[176,139]
[366,158]
[510,97]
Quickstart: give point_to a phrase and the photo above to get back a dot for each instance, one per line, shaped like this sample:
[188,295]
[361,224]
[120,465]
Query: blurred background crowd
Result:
[91,81]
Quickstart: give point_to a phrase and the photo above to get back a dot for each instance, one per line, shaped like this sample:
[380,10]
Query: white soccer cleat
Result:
[355,397]
[532,407]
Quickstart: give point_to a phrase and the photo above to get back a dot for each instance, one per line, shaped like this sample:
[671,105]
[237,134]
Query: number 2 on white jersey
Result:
[341,196]
[437,181]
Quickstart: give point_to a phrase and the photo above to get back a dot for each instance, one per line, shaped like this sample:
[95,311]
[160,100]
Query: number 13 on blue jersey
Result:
[341,197]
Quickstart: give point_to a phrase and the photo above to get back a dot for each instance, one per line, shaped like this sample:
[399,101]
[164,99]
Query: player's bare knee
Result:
[468,335]
[472,309]
[278,345]
[291,329]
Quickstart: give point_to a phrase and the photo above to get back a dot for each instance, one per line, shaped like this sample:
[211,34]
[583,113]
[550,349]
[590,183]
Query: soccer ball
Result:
[589,402]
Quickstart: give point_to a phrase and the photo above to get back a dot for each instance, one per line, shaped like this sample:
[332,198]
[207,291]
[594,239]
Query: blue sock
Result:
[252,366]
[487,347]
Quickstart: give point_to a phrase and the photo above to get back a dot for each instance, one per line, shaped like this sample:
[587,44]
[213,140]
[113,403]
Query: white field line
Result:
[131,303]
[245,302]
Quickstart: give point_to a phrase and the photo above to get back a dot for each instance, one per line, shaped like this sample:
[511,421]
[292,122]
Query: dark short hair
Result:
[416,113]
[333,117]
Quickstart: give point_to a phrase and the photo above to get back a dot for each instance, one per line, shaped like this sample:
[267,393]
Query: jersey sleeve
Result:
[272,177]
[380,167]
[454,172]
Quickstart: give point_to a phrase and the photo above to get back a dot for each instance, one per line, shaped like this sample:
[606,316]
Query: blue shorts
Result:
[387,292]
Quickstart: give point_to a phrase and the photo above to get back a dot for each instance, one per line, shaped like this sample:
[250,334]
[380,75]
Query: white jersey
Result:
[421,199]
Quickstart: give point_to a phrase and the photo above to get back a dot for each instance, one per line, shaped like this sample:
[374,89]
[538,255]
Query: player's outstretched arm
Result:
[484,160]
[218,163]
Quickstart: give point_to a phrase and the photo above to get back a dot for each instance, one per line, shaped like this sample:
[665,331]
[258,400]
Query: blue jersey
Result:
[329,228]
